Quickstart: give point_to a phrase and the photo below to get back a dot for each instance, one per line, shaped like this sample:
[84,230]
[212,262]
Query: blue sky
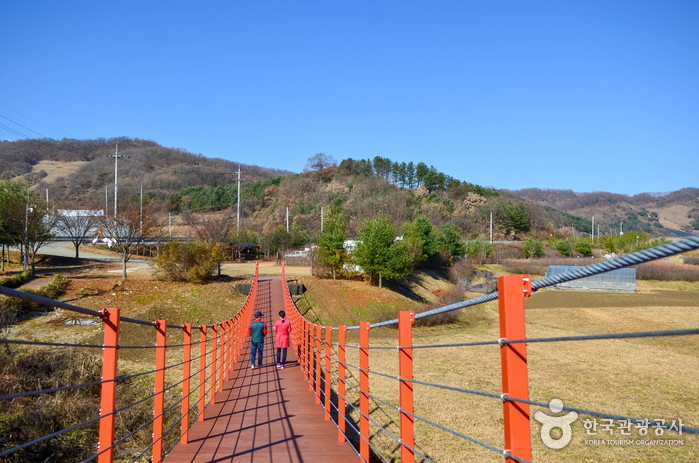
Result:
[588,96]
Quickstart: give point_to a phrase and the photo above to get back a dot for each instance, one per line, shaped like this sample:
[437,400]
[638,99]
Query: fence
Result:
[322,367]
[220,349]
[621,280]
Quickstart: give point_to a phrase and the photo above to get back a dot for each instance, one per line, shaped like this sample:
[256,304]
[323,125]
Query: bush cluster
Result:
[193,261]
[16,280]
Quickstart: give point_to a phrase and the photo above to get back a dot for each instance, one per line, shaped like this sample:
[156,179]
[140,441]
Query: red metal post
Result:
[202,373]
[364,328]
[110,317]
[229,348]
[186,373]
[512,290]
[159,399]
[341,383]
[318,360]
[309,355]
[214,351]
[405,363]
[222,356]
[304,347]
[328,338]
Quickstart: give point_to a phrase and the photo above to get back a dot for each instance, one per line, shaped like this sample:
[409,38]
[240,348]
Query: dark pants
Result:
[281,352]
[256,347]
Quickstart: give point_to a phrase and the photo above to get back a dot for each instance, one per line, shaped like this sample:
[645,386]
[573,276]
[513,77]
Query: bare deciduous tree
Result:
[129,228]
[77,225]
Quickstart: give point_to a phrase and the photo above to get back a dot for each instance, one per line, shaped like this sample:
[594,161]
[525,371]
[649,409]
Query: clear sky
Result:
[583,95]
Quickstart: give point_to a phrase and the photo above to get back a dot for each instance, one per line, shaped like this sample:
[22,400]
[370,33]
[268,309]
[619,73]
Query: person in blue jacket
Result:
[257,332]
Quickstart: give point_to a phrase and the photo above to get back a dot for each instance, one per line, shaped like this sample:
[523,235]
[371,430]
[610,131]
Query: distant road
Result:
[66,249]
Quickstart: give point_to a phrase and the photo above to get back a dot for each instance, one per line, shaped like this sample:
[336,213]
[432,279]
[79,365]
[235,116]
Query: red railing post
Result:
[318,360]
[214,351]
[186,373]
[364,328]
[159,399]
[229,349]
[512,290]
[309,354]
[405,364]
[222,356]
[110,317]
[202,373]
[341,383]
[328,338]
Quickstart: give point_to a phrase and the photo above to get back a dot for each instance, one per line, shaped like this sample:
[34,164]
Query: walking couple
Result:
[258,331]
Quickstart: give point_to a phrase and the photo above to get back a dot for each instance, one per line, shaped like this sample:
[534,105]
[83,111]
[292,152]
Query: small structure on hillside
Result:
[622,280]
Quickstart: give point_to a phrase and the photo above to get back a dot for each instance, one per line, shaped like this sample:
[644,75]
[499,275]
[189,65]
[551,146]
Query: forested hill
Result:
[677,210]
[80,174]
[79,171]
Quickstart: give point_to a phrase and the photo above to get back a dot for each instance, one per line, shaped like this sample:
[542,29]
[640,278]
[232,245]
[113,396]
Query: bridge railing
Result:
[202,376]
[323,361]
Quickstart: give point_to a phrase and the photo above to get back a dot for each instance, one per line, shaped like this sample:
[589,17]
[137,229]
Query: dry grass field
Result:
[651,378]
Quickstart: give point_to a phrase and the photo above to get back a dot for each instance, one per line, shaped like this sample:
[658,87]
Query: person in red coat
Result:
[282,327]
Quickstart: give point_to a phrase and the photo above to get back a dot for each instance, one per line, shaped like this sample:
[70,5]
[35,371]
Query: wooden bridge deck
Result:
[266,414]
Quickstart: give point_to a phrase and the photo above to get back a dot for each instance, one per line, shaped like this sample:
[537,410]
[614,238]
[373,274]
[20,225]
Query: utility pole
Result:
[237,222]
[26,232]
[491,228]
[116,157]
[321,220]
[287,219]
[141,216]
[106,199]
[592,235]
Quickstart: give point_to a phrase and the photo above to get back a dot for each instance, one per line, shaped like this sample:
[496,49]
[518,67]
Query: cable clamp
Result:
[506,453]
[502,342]
[504,396]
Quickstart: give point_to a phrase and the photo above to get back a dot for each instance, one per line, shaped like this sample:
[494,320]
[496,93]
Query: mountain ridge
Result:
[73,170]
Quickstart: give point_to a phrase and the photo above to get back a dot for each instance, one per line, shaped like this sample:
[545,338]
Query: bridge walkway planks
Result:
[266,414]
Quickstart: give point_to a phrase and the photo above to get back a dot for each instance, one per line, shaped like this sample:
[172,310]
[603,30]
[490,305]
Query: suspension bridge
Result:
[208,405]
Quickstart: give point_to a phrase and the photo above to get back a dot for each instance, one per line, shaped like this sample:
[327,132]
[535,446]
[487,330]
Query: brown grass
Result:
[644,378]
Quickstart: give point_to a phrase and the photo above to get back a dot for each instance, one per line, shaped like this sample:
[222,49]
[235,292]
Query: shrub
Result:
[16,280]
[54,289]
[479,248]
[532,248]
[584,248]
[565,248]
[194,261]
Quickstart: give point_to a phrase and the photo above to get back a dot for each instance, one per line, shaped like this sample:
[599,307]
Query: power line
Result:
[16,132]
[37,121]
[24,127]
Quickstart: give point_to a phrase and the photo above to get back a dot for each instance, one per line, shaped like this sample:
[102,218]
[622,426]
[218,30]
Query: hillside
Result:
[678,210]
[79,173]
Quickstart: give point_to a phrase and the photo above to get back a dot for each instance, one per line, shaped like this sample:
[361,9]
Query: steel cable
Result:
[639,257]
